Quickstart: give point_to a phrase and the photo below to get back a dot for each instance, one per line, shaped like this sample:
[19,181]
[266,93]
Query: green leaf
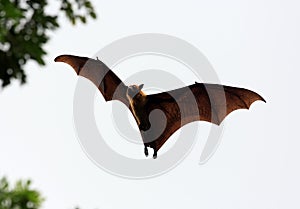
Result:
[24,26]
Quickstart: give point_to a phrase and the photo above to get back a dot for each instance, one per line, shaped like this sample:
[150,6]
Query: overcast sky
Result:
[253,44]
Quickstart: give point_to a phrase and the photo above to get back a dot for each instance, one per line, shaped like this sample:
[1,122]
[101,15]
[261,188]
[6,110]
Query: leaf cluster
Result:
[21,196]
[23,32]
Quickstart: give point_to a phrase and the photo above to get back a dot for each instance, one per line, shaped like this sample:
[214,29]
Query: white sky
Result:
[253,44]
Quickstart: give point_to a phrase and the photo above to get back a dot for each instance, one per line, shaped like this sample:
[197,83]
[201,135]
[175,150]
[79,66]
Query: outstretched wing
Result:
[206,102]
[108,83]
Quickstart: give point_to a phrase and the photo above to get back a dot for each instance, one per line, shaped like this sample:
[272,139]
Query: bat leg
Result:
[146,151]
[155,154]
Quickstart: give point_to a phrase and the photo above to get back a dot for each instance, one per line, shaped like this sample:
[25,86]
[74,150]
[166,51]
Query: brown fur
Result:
[137,103]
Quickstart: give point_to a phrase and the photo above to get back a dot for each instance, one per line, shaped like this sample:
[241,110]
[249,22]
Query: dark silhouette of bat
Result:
[159,115]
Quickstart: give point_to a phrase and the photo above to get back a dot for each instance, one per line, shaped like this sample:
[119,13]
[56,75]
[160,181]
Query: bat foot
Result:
[146,151]
[155,154]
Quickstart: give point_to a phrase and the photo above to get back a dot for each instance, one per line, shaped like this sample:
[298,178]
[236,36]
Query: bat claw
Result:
[146,151]
[155,154]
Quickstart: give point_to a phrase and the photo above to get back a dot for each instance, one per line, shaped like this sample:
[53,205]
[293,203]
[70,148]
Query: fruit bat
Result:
[158,116]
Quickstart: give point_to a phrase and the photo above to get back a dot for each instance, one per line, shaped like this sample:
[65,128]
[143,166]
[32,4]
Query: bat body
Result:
[158,116]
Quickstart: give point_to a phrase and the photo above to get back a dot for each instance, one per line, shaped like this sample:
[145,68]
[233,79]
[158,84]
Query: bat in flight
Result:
[158,116]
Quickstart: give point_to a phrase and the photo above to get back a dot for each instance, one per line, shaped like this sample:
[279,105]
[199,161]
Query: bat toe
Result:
[155,154]
[146,151]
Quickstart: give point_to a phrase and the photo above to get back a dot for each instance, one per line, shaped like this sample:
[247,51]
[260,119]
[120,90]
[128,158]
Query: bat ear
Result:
[141,86]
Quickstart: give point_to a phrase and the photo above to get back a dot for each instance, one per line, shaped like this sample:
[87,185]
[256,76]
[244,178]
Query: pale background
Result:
[254,44]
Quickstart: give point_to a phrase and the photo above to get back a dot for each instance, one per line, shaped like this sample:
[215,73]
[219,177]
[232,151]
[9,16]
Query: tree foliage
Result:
[21,196]
[23,32]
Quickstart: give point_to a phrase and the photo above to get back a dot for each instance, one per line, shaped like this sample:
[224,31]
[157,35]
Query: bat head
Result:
[133,90]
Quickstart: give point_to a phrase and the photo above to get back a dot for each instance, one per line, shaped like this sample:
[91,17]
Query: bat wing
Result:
[198,102]
[108,83]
